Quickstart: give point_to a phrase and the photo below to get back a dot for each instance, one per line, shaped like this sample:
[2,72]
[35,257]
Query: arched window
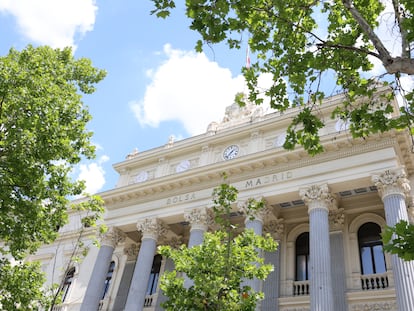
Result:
[302,257]
[108,278]
[371,253]
[155,273]
[67,283]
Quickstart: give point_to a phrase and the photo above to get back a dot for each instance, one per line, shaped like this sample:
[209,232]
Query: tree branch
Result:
[346,47]
[399,17]
[384,55]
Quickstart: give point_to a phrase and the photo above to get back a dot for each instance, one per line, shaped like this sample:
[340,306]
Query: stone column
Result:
[151,230]
[336,221]
[319,200]
[198,221]
[393,187]
[254,220]
[96,283]
[271,286]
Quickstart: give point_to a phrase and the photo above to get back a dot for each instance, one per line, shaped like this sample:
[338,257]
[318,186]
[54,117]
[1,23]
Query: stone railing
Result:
[374,281]
[301,288]
[103,305]
[150,300]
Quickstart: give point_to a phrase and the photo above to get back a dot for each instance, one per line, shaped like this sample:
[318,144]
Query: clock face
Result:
[141,177]
[231,152]
[183,166]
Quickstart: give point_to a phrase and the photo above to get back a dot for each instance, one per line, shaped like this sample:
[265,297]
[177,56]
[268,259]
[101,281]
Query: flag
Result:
[247,57]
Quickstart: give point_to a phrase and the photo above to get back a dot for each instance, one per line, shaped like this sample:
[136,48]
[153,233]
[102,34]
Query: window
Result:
[370,249]
[67,283]
[155,273]
[108,278]
[302,257]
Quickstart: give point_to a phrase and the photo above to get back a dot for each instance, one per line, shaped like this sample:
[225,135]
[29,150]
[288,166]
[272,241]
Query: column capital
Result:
[275,228]
[318,197]
[337,219]
[392,182]
[132,251]
[113,237]
[257,214]
[151,228]
[197,218]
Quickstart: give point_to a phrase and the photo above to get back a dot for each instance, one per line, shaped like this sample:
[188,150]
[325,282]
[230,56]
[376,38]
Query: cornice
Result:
[264,162]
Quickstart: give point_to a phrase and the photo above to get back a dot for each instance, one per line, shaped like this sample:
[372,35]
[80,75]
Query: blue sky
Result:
[156,86]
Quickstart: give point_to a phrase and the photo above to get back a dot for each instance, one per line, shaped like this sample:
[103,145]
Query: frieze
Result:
[381,306]
[181,198]
[268,179]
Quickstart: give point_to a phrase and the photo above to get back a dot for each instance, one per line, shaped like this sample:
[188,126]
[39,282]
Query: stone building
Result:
[326,212]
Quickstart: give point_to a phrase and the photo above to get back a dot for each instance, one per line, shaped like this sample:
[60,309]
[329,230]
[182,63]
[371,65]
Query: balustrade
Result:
[374,281]
[300,288]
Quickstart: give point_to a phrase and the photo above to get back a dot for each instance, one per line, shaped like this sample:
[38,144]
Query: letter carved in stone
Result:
[392,182]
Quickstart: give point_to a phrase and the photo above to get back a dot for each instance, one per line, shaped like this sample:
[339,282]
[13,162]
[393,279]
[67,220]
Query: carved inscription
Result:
[269,179]
[181,198]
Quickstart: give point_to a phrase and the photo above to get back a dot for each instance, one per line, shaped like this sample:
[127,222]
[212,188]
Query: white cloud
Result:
[52,22]
[93,174]
[188,88]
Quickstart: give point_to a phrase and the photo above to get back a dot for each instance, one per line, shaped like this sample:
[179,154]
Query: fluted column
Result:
[96,283]
[393,187]
[271,286]
[198,221]
[319,200]
[151,230]
[254,220]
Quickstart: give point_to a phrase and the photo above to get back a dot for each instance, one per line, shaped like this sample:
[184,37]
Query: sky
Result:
[156,85]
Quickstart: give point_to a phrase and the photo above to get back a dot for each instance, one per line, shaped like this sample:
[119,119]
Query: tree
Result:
[400,240]
[305,43]
[220,265]
[42,136]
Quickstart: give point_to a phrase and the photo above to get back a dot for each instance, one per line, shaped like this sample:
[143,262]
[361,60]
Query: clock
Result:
[183,166]
[230,152]
[141,177]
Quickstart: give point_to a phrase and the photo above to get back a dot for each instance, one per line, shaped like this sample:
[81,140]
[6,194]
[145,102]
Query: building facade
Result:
[326,212]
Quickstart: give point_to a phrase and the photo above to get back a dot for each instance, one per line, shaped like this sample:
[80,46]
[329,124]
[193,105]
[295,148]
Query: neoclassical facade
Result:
[326,212]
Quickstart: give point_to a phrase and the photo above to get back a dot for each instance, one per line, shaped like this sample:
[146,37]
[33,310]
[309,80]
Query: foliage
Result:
[305,43]
[400,240]
[42,135]
[21,282]
[91,210]
[219,266]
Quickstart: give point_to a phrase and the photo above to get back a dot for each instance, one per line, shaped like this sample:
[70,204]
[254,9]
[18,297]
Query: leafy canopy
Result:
[304,44]
[42,135]
[219,266]
[400,240]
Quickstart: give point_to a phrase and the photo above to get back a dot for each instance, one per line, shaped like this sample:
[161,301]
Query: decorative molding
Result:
[375,306]
[392,182]
[151,228]
[198,218]
[337,219]
[175,241]
[132,251]
[318,197]
[295,309]
[113,237]
[275,228]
